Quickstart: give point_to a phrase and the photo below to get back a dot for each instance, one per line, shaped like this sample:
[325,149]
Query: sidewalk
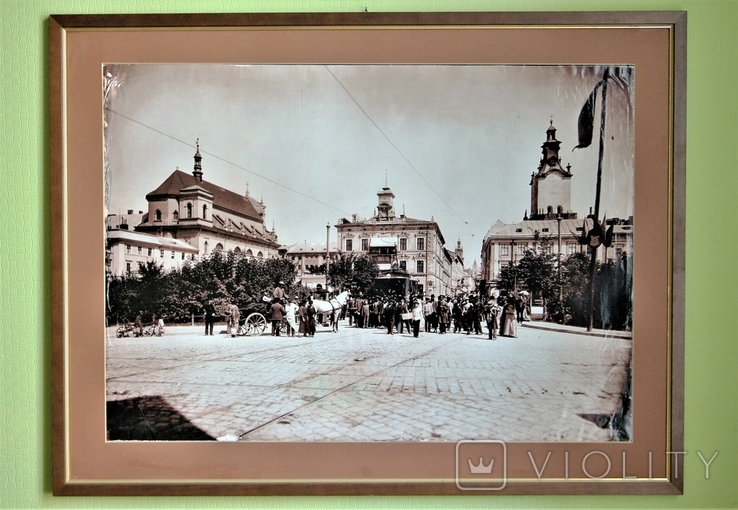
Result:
[577,330]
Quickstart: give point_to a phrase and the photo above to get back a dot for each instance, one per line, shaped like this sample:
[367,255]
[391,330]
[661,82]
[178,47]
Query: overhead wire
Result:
[236,165]
[402,155]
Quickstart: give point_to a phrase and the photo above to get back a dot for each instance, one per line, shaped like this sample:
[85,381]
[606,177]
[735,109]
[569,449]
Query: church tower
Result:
[459,251]
[197,170]
[385,207]
[550,186]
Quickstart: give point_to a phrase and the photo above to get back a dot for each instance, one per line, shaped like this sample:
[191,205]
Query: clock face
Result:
[552,161]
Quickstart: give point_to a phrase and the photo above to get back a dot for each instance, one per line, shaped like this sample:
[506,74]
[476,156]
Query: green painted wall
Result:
[712,260]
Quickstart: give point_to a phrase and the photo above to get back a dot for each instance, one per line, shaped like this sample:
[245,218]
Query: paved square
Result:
[366,385]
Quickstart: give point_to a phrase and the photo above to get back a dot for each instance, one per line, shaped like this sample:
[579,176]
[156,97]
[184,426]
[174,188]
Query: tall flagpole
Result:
[600,156]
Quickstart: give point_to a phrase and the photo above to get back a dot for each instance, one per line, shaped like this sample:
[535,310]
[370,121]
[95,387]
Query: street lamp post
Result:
[327,253]
[512,265]
[558,254]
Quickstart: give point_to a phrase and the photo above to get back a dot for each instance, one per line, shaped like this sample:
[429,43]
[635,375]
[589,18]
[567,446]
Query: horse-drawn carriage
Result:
[253,321]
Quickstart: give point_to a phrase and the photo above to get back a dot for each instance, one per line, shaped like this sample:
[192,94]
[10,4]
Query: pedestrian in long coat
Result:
[492,314]
[302,313]
[400,310]
[444,315]
[291,315]
[389,317]
[511,325]
[458,313]
[311,318]
[365,314]
[277,313]
[209,318]
[478,311]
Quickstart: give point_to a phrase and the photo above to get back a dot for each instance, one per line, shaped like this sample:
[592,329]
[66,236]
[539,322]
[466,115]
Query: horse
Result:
[332,307]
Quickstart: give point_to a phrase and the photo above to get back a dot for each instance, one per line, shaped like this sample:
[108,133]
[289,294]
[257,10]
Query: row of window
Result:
[571,248]
[218,247]
[419,244]
[150,251]
[188,212]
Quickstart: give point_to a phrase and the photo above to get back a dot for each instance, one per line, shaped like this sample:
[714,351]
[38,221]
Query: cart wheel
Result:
[242,330]
[284,327]
[120,332]
[255,324]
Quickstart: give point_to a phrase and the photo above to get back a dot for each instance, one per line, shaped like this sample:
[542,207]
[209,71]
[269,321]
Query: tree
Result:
[509,277]
[534,272]
[537,269]
[612,305]
[178,294]
[574,291]
[355,272]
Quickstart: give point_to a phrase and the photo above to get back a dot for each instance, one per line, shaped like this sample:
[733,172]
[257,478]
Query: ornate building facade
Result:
[399,242]
[207,216]
[188,217]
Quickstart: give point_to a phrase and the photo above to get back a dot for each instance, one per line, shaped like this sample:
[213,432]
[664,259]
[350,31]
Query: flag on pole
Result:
[586,119]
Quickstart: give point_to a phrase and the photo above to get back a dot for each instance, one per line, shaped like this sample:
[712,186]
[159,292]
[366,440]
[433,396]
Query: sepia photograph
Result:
[369,253]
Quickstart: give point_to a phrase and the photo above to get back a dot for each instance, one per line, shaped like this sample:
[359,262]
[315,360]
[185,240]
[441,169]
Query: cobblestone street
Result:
[366,385]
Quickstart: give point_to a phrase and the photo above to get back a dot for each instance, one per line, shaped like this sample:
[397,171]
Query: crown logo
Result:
[481,469]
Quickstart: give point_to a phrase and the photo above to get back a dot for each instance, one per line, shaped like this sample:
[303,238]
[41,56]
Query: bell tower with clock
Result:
[550,186]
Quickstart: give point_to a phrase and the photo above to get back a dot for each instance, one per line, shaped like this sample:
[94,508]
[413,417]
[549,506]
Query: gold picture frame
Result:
[84,463]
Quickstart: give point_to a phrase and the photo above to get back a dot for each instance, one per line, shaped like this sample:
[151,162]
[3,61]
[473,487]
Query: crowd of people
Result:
[501,314]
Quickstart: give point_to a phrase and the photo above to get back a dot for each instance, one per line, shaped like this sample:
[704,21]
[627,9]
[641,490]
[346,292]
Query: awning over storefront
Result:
[383,242]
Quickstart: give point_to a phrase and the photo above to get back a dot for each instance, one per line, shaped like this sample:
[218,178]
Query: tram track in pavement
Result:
[344,387]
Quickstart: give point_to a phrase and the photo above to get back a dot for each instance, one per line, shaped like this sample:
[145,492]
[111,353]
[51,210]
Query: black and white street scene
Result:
[369,252]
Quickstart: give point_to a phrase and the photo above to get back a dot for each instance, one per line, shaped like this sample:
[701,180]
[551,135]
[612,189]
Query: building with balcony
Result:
[398,242]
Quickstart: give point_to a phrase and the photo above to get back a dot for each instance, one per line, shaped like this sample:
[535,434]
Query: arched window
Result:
[207,248]
[189,210]
[205,211]
[158,215]
[560,210]
[237,250]
[176,215]
[249,253]
[260,255]
[218,247]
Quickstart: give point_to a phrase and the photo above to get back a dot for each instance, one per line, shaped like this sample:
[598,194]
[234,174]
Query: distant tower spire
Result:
[385,178]
[247,190]
[550,185]
[385,207]
[197,171]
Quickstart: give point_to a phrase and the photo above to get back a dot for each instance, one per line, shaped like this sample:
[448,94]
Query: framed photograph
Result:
[369,253]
